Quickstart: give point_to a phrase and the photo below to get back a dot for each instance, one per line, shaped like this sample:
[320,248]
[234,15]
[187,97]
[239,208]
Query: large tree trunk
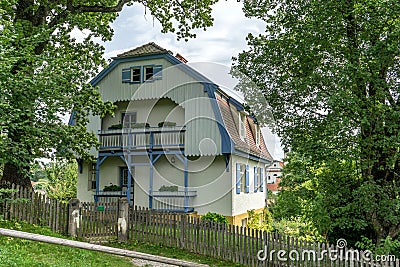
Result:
[12,174]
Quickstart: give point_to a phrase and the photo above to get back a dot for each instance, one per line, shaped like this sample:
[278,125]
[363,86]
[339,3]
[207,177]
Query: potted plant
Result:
[166,124]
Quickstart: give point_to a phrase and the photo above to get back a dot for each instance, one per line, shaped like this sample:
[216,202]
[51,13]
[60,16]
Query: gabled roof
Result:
[147,49]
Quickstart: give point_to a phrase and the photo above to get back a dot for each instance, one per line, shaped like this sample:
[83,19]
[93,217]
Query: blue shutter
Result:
[126,75]
[237,178]
[247,179]
[262,180]
[255,180]
[157,72]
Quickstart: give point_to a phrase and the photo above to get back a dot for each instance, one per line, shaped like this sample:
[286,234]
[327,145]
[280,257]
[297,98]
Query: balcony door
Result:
[124,178]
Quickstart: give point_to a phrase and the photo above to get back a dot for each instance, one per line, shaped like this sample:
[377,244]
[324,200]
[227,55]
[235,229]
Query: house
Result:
[176,142]
[274,174]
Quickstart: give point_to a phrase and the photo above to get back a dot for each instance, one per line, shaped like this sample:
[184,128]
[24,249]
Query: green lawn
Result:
[19,252]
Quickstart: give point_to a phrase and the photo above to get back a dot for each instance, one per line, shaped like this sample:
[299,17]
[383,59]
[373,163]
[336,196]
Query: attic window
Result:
[257,135]
[135,75]
[139,74]
[148,72]
[242,126]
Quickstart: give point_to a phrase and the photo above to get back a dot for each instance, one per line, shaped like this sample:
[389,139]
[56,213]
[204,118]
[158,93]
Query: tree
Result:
[44,72]
[329,71]
[59,179]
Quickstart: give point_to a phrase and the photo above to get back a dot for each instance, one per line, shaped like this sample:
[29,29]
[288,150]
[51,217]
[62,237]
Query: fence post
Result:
[73,217]
[123,215]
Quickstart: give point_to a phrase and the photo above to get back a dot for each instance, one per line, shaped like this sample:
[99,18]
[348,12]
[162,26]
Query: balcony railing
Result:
[173,201]
[147,138]
[110,196]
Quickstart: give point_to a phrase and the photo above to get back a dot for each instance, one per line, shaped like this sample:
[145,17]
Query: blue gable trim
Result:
[227,143]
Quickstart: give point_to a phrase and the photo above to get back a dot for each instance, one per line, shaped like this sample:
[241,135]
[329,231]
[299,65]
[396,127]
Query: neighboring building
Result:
[185,145]
[274,174]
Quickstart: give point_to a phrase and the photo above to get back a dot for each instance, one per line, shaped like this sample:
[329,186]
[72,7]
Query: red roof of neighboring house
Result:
[275,186]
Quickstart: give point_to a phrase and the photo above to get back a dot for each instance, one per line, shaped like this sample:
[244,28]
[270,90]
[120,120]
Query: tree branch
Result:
[83,8]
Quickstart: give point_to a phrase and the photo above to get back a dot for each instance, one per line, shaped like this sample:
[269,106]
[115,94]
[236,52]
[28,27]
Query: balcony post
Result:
[151,181]
[98,162]
[186,183]
[128,190]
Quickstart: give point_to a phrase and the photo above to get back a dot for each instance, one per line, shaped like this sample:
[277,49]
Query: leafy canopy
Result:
[44,72]
[329,72]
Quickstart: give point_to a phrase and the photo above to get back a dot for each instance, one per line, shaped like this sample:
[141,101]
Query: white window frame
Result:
[92,176]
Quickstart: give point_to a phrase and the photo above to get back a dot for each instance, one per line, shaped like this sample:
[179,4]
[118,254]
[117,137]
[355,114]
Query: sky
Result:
[217,45]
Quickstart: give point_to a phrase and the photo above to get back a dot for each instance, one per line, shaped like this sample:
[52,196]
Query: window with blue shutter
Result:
[255,179]
[247,179]
[262,180]
[238,178]
[157,72]
[126,75]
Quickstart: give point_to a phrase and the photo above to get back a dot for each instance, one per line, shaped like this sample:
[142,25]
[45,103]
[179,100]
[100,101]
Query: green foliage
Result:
[116,127]
[260,221]
[44,72]
[112,188]
[214,217]
[328,71]
[297,227]
[165,188]
[387,246]
[58,179]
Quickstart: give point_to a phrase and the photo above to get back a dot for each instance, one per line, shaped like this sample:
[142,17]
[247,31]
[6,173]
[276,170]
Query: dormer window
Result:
[148,73]
[257,135]
[140,74]
[242,126]
[135,75]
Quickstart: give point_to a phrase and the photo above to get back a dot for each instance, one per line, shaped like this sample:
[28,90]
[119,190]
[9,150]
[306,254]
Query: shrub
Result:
[112,188]
[166,124]
[172,188]
[214,217]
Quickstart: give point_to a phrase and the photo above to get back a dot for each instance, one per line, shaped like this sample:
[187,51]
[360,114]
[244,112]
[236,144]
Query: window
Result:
[139,74]
[258,179]
[244,222]
[135,75]
[124,176]
[128,119]
[242,178]
[92,176]
[148,73]
[257,135]
[242,126]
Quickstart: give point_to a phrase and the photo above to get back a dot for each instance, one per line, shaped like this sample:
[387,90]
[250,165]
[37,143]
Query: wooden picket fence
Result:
[242,245]
[249,247]
[35,208]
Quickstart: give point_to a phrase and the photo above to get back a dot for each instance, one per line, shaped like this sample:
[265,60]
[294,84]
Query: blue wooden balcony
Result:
[151,138]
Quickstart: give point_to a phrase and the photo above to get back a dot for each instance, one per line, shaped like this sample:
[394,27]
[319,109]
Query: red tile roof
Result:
[275,186]
[230,116]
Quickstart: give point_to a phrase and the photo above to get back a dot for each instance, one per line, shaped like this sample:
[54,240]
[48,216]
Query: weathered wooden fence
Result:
[100,221]
[35,208]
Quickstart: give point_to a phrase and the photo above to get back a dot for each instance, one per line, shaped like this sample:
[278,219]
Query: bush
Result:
[112,188]
[172,188]
[214,217]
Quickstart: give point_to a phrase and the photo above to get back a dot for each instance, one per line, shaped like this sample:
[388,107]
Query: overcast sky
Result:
[217,45]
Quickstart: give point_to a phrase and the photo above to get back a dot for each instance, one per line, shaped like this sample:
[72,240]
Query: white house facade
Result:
[176,142]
